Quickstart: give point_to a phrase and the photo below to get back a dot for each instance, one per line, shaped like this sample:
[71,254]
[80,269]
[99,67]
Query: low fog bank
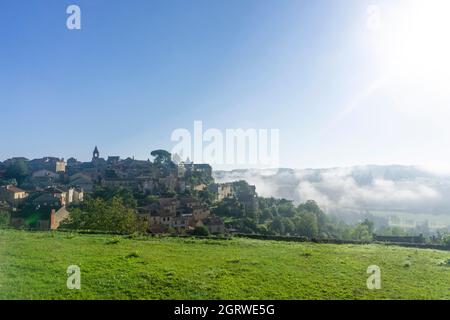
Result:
[348,191]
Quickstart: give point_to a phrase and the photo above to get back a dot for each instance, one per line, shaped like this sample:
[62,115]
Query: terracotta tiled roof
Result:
[14,189]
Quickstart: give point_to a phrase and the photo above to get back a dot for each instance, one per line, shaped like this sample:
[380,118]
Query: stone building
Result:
[222,190]
[60,166]
[13,195]
[48,219]
[214,225]
[61,196]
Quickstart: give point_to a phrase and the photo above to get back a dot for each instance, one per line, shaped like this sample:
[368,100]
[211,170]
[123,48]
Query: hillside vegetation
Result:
[33,266]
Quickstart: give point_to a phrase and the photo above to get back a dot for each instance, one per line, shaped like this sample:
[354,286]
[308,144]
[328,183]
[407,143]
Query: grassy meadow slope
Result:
[33,266]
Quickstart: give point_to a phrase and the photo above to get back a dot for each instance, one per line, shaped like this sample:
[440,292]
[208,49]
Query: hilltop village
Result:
[163,195]
[168,194]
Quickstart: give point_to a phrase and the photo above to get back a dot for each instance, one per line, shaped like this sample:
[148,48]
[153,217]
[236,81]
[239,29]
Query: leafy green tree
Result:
[124,194]
[307,225]
[310,206]
[313,207]
[286,208]
[17,170]
[230,207]
[262,203]
[289,227]
[245,225]
[149,200]
[346,233]
[162,157]
[274,211]
[277,226]
[112,215]
[369,224]
[361,232]
[9,182]
[266,214]
[206,196]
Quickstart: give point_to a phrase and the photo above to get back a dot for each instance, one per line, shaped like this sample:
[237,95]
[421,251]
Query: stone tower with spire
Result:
[95,154]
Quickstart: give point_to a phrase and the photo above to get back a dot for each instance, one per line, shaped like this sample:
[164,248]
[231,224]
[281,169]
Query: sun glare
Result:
[414,41]
[411,50]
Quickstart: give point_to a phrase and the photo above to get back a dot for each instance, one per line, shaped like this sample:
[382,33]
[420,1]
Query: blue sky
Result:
[137,70]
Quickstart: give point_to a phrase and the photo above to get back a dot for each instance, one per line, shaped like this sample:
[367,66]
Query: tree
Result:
[307,225]
[245,225]
[277,226]
[17,170]
[369,224]
[149,200]
[206,196]
[286,208]
[108,194]
[230,207]
[266,214]
[289,227]
[362,233]
[310,206]
[9,182]
[162,157]
[313,207]
[274,211]
[100,215]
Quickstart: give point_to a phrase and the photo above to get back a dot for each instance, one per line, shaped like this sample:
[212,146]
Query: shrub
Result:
[4,219]
[200,231]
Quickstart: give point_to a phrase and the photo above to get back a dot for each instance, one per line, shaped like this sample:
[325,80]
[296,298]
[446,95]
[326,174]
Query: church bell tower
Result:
[95,154]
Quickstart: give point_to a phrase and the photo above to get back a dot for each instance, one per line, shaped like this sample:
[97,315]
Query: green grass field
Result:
[33,266]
